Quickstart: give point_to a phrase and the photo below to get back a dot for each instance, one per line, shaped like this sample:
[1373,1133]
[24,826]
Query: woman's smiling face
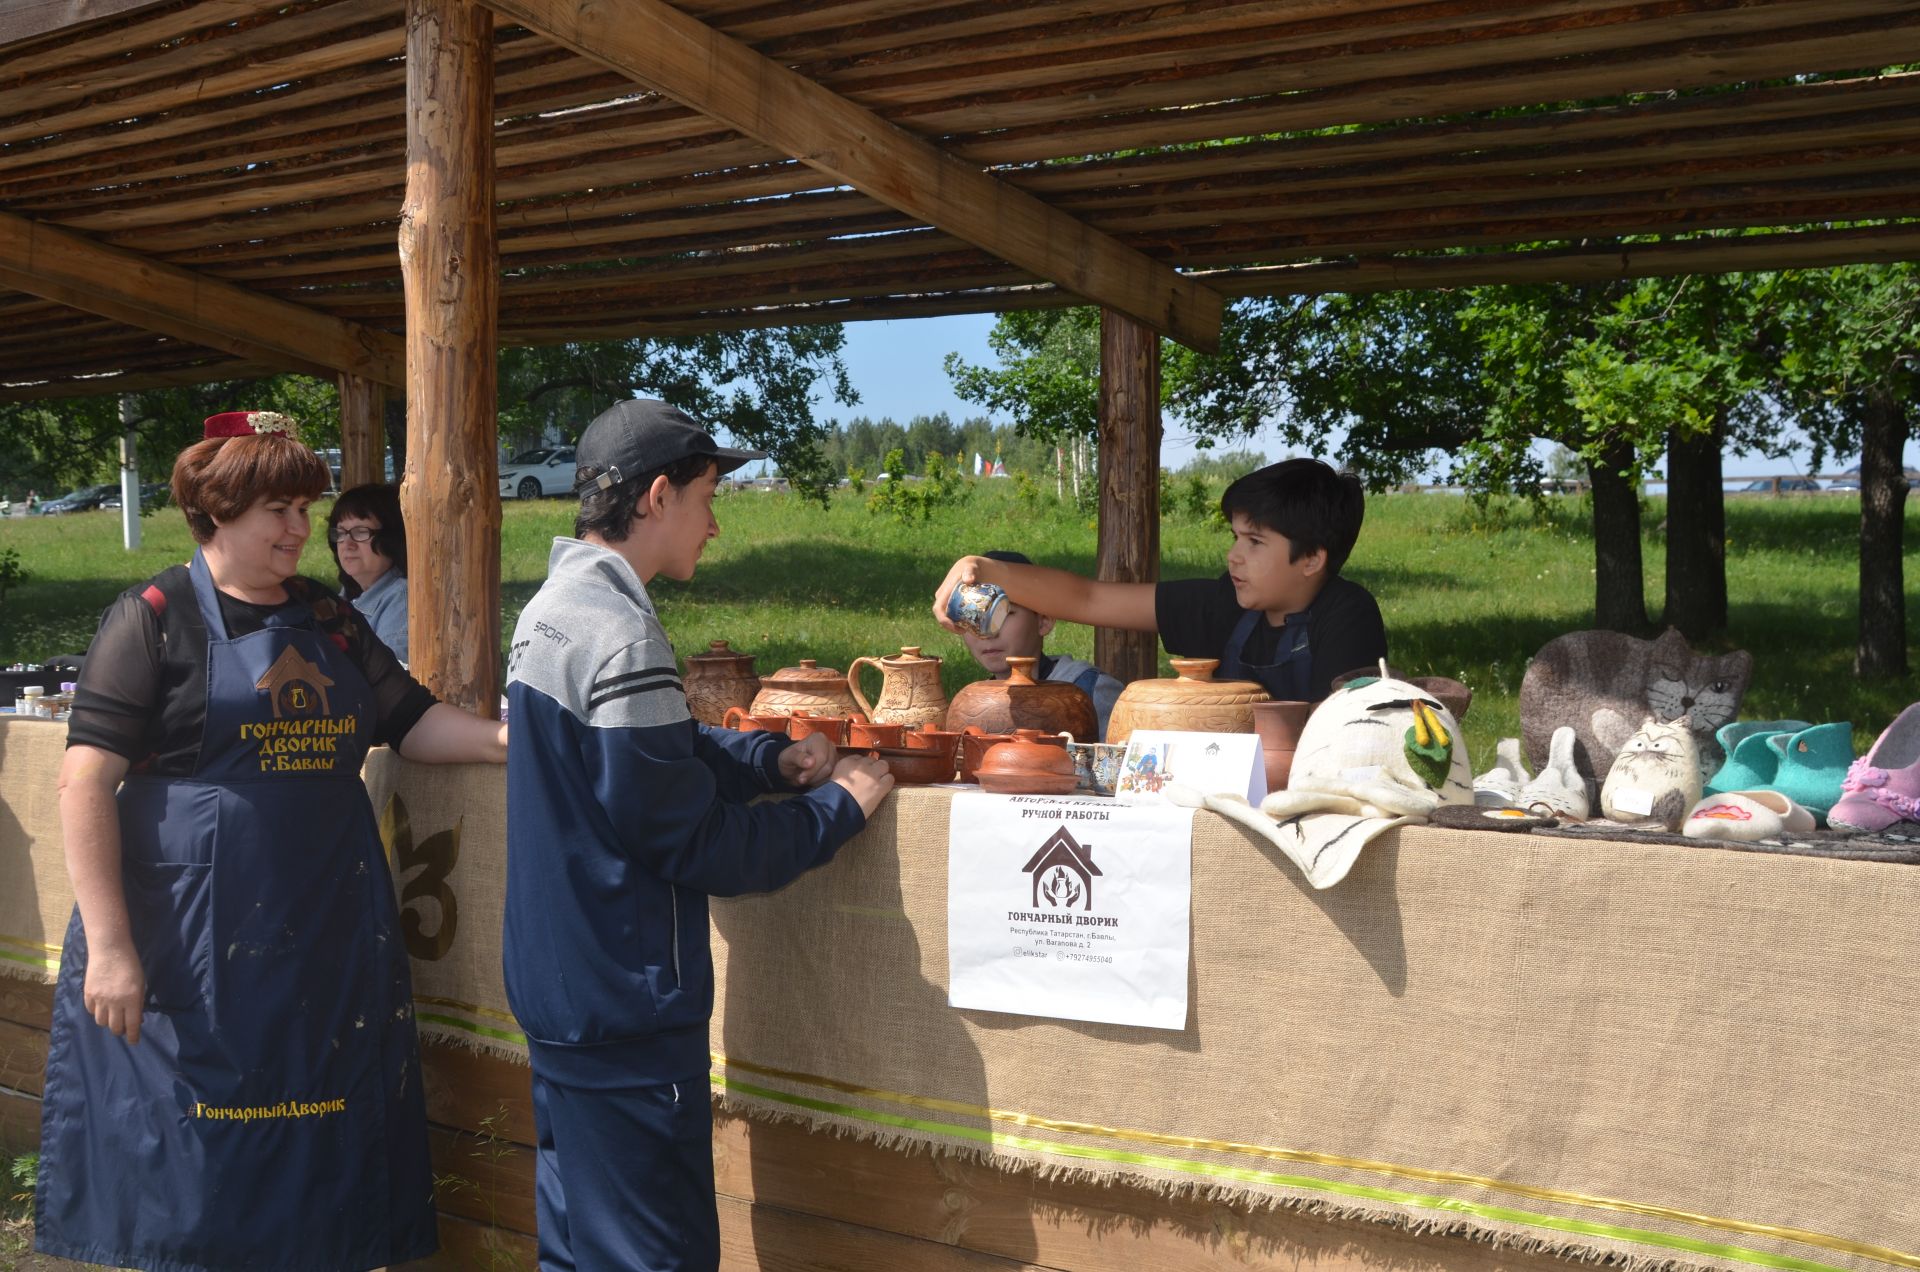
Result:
[263,544]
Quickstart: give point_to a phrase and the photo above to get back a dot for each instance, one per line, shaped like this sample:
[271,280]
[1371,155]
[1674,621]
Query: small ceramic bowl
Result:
[870,733]
[1097,765]
[737,718]
[909,768]
[835,727]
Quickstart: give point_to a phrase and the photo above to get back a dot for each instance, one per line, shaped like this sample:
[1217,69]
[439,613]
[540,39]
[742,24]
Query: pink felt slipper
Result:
[1745,816]
[1883,786]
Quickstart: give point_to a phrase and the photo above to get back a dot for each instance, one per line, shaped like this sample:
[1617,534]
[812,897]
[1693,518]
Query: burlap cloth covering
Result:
[1649,1052]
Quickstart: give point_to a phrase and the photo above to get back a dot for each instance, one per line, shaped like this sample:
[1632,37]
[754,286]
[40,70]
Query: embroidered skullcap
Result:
[248,423]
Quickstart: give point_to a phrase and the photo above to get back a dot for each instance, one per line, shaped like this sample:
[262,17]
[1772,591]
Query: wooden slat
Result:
[24,1002]
[22,21]
[465,1245]
[58,265]
[479,1092]
[663,48]
[179,377]
[23,1057]
[19,1122]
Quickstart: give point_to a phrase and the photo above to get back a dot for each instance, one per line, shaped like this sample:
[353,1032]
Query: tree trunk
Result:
[451,489]
[1696,534]
[1882,649]
[1619,600]
[1129,473]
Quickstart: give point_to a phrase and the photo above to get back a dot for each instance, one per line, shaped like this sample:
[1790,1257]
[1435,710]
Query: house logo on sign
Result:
[1063,873]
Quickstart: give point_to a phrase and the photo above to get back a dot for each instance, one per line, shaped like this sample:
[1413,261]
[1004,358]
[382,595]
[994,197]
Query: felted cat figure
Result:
[1656,776]
[1601,683]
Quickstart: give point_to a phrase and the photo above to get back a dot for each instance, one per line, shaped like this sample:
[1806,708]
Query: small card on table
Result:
[1211,763]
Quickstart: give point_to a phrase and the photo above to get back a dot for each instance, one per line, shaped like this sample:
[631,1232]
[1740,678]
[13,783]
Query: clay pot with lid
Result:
[1023,702]
[808,688]
[1192,701]
[1028,764]
[910,692]
[718,679]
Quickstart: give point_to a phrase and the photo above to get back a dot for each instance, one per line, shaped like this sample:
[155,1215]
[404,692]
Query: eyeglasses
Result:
[359,534]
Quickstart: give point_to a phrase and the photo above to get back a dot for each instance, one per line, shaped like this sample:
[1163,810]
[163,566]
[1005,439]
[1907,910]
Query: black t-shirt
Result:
[1344,631]
[143,689]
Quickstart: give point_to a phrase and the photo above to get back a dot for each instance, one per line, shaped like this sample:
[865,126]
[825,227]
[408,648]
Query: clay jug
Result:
[1021,702]
[718,679]
[809,687]
[1279,725]
[1027,764]
[1193,701]
[910,692]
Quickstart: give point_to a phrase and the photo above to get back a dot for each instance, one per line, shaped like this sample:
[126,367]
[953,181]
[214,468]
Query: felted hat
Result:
[642,435]
[248,423]
[1379,748]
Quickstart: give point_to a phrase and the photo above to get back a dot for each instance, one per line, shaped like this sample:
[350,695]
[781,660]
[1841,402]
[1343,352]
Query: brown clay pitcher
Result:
[1279,725]
[910,692]
[718,679]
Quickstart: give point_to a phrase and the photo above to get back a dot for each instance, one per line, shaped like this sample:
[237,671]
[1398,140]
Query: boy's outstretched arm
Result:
[1059,594]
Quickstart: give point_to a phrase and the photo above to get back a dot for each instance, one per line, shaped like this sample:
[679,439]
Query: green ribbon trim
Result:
[435,1018]
[31,960]
[1242,1174]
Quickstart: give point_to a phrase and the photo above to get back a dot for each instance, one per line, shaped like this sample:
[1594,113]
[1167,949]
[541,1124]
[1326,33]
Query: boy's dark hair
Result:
[610,513]
[379,502]
[1305,500]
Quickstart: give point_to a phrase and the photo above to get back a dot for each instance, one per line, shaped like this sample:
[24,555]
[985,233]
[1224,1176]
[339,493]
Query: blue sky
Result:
[898,369]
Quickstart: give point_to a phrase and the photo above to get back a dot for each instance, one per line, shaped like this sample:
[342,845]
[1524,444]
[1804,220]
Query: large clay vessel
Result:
[1026,764]
[1021,702]
[1192,701]
[719,679]
[1279,725]
[809,687]
[910,691]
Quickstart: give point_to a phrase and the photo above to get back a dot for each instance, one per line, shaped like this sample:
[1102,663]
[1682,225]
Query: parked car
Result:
[1851,480]
[533,473]
[81,500]
[1785,484]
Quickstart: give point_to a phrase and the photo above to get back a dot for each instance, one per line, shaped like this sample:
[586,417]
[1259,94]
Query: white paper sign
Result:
[1211,763]
[1075,907]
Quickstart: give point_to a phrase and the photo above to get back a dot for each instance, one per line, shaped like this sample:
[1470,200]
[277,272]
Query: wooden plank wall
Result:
[793,1199]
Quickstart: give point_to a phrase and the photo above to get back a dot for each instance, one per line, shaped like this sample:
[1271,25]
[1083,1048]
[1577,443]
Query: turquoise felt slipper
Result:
[1733,733]
[1812,765]
[1750,764]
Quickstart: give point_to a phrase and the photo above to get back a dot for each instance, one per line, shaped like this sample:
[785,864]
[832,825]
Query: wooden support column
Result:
[1129,482]
[450,492]
[363,408]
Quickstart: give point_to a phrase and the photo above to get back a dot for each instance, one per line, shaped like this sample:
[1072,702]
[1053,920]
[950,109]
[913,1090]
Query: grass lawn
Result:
[1466,593]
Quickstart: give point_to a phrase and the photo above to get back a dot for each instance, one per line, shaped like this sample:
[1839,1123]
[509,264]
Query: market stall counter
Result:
[1478,1050]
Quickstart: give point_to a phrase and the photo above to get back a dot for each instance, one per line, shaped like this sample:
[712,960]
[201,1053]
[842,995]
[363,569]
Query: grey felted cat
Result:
[1603,684]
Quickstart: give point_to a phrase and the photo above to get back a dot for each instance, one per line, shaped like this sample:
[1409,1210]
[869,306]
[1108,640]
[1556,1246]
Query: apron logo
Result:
[1063,873]
[295,686]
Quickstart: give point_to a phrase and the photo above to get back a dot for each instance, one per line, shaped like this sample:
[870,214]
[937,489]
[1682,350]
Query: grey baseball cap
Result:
[641,435]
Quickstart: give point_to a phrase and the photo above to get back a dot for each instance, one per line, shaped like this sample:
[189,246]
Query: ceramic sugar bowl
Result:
[719,679]
[1023,702]
[1192,701]
[910,692]
[808,688]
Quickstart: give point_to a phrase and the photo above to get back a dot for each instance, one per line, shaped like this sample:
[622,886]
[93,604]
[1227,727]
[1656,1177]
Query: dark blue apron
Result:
[271,1115]
[1287,678]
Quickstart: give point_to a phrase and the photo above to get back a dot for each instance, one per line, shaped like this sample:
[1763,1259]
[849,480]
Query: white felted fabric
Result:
[1744,816]
[1323,845]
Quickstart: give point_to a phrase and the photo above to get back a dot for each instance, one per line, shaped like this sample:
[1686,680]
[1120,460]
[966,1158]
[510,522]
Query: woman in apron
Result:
[233,1078]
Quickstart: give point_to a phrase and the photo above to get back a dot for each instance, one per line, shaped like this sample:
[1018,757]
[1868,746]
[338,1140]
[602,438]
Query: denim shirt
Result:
[384,606]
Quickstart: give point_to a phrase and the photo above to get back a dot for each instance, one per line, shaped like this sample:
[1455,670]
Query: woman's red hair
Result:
[220,478]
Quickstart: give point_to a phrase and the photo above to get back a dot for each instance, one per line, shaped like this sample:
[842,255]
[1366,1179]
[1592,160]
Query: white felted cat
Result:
[1656,776]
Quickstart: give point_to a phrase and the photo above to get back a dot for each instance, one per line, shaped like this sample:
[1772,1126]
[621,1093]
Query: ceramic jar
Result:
[1192,701]
[1021,702]
[1027,764]
[1279,725]
[809,687]
[718,679]
[910,692]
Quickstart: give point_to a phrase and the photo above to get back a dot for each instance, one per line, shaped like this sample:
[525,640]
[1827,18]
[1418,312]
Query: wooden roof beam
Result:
[662,48]
[58,265]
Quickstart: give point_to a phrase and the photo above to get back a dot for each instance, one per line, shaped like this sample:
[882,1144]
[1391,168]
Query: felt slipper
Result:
[1486,817]
[1501,784]
[1559,790]
[1813,765]
[1731,735]
[1745,815]
[1882,788]
[1751,762]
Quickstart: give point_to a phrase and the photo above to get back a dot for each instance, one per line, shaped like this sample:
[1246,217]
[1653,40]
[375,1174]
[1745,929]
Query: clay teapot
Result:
[809,687]
[1022,702]
[1028,764]
[910,692]
[718,679]
[1192,701]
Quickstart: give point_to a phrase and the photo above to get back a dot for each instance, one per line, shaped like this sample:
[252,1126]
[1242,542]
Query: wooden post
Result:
[363,405]
[1129,482]
[450,492]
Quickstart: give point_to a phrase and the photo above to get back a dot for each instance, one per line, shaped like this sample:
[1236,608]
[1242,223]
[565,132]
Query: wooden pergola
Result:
[384,191]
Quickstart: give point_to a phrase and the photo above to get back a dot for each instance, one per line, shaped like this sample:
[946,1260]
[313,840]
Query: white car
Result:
[533,473]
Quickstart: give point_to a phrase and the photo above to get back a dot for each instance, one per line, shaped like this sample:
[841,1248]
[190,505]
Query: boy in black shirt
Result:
[1281,614]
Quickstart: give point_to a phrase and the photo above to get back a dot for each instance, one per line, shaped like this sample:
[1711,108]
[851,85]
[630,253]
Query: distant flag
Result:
[999,469]
[979,463]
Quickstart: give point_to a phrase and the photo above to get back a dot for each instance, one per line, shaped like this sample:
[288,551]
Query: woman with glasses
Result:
[370,546]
